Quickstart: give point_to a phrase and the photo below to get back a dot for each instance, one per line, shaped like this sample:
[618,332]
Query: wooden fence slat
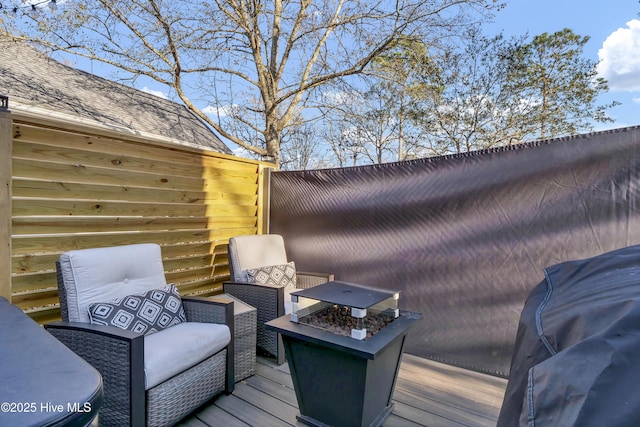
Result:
[50,207]
[57,154]
[130,161]
[78,173]
[71,224]
[69,190]
[181,250]
[209,286]
[23,264]
[25,132]
[44,314]
[42,297]
[60,243]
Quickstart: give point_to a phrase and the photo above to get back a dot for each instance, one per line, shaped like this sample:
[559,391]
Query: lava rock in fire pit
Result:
[338,319]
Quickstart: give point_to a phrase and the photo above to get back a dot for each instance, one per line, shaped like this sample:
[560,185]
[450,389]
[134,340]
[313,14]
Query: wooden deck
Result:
[427,393]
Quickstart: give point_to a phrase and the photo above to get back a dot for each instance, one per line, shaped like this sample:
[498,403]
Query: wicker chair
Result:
[271,302]
[152,379]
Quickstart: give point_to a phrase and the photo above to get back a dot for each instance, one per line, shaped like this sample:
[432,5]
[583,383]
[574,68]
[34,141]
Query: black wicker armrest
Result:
[267,299]
[76,334]
[205,310]
[305,279]
[118,355]
[269,303]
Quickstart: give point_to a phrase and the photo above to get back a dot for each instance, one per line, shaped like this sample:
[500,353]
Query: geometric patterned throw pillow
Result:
[275,275]
[146,313]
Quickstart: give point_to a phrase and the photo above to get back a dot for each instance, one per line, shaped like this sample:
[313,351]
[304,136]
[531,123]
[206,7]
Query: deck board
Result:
[427,393]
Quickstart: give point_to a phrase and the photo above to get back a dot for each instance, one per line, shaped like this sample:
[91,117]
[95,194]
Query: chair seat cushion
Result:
[176,349]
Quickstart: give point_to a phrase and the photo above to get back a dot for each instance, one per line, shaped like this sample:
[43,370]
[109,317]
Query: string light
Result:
[31,8]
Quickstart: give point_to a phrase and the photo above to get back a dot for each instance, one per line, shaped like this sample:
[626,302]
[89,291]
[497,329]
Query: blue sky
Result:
[614,31]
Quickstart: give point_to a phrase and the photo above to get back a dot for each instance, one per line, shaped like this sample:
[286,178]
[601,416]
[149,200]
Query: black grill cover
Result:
[577,353]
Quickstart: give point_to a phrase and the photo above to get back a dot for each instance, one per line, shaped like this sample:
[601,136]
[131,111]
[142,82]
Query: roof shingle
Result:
[32,79]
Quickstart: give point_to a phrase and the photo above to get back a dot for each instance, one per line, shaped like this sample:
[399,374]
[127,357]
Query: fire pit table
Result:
[343,344]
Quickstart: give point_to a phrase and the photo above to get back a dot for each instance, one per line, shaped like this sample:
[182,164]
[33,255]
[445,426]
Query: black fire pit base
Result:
[340,381]
[315,423]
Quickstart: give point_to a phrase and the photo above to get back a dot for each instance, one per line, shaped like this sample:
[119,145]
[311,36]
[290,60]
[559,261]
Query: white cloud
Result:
[155,92]
[636,100]
[242,152]
[620,58]
[342,98]
[224,111]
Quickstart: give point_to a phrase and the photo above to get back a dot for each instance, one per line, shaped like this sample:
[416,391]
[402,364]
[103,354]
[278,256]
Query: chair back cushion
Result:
[255,251]
[104,274]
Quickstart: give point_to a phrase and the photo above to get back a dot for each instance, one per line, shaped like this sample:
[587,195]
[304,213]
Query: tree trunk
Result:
[272,138]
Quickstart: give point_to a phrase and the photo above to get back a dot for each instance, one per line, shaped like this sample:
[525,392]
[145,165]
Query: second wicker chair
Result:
[262,259]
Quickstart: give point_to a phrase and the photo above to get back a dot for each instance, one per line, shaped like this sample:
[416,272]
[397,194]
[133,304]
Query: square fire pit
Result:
[345,308]
[344,344]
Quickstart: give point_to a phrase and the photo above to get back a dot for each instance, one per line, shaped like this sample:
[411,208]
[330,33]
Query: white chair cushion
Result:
[91,275]
[178,348]
[255,251]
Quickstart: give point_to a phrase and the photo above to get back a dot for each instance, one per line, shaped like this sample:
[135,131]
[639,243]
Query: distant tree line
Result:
[475,93]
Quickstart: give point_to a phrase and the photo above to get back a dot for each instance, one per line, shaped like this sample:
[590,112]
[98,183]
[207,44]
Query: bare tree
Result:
[302,148]
[472,110]
[369,127]
[371,122]
[397,78]
[251,63]
[338,135]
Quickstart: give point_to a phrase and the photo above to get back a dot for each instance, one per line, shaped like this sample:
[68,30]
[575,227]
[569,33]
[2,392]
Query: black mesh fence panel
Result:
[465,237]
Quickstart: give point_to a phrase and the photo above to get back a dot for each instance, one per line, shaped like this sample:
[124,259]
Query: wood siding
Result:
[76,189]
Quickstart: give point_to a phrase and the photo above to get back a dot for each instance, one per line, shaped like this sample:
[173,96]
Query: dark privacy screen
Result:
[464,238]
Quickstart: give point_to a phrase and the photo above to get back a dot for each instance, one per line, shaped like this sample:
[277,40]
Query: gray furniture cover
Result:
[42,382]
[577,355]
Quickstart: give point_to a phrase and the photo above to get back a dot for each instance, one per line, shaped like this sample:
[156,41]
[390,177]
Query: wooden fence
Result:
[73,187]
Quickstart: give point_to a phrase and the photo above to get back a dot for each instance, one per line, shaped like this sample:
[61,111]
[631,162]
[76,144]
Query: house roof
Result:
[33,80]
